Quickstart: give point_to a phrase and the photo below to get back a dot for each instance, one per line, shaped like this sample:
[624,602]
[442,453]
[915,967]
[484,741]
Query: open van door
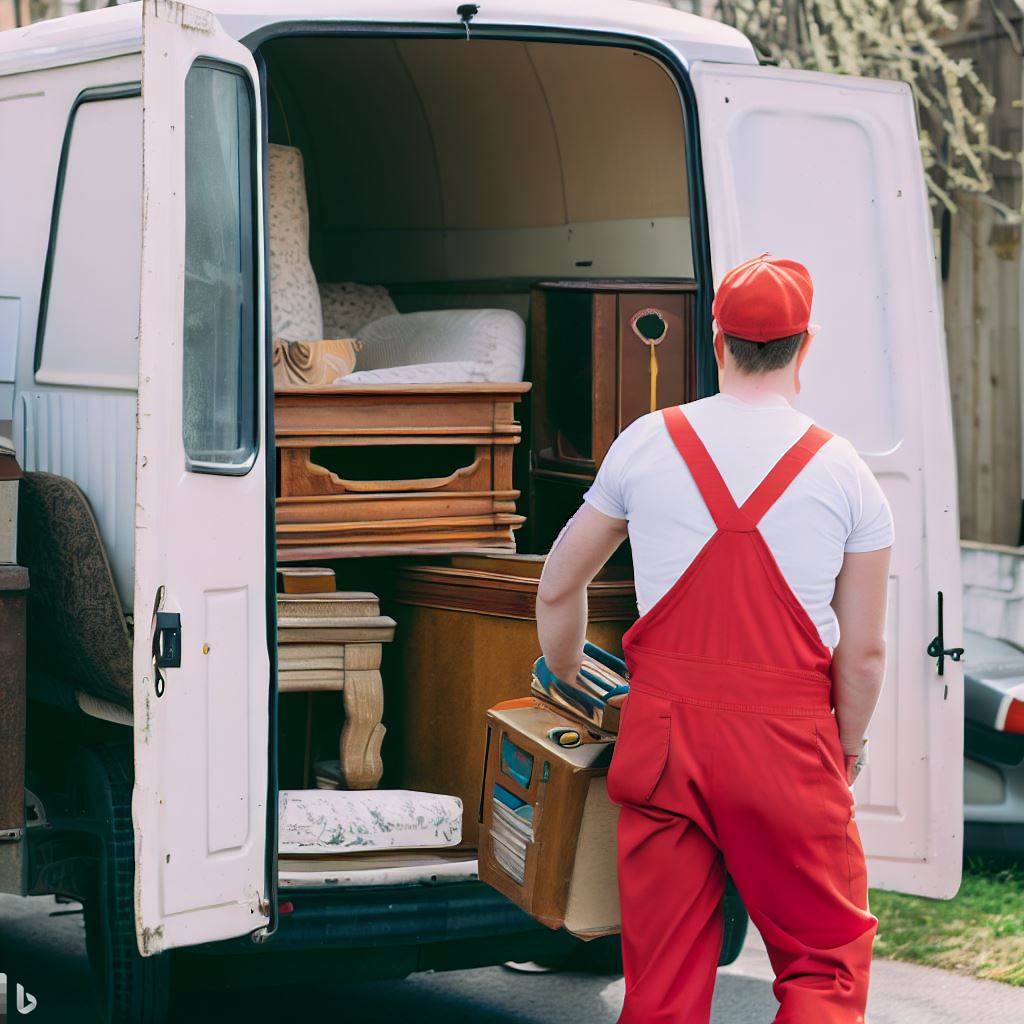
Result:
[201,665]
[826,169]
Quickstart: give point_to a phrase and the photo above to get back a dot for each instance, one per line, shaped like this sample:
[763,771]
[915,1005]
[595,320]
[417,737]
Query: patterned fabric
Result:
[76,626]
[299,364]
[348,307]
[492,340]
[294,297]
[318,821]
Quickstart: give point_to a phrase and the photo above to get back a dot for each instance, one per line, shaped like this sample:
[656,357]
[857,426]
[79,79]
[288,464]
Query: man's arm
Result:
[858,663]
[587,542]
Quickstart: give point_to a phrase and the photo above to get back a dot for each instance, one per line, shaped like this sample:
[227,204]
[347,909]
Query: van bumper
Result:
[372,917]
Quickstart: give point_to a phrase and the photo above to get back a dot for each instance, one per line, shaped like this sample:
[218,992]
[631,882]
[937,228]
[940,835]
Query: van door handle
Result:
[938,650]
[167,640]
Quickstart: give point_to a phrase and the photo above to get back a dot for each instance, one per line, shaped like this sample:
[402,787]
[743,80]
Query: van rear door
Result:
[826,169]
[201,666]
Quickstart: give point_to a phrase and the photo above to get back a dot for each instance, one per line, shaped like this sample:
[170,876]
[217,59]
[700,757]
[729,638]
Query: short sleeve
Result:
[608,493]
[873,530]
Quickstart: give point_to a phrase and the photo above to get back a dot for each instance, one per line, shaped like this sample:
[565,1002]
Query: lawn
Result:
[980,932]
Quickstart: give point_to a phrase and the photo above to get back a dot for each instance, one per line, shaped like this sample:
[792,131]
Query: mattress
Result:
[318,821]
[443,345]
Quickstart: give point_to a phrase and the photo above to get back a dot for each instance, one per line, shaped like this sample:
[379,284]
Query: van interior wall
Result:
[439,160]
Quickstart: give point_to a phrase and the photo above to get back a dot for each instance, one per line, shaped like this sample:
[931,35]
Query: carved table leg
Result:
[362,732]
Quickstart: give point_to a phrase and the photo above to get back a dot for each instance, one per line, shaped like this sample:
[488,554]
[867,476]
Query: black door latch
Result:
[937,648]
[167,640]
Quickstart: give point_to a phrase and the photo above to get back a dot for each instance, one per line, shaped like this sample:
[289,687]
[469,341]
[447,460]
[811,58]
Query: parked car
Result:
[993,744]
[455,158]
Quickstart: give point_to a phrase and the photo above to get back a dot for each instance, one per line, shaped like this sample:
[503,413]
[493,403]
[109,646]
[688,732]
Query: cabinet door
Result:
[671,371]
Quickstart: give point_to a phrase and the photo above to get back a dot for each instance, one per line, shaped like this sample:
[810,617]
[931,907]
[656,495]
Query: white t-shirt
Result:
[835,505]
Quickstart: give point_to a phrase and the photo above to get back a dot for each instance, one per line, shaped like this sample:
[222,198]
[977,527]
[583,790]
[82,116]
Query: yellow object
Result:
[654,377]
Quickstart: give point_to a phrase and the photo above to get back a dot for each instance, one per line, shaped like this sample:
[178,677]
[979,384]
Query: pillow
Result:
[300,364]
[348,306]
[294,297]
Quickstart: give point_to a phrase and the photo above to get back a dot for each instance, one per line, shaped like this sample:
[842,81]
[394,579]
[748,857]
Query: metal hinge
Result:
[938,650]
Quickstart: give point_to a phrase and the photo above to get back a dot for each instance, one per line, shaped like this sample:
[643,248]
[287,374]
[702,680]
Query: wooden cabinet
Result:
[593,375]
[466,639]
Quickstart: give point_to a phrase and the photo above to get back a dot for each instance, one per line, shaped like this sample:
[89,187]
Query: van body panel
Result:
[827,170]
[78,427]
[201,727]
[95,35]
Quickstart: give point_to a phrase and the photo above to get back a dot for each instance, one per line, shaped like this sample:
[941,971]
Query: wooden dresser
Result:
[592,376]
[395,469]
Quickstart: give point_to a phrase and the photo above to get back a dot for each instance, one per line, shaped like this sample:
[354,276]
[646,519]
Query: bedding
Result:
[348,307]
[320,821]
[445,345]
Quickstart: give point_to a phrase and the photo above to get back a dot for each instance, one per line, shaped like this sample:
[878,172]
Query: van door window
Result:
[219,403]
[88,331]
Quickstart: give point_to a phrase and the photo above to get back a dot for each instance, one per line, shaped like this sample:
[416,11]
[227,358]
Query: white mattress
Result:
[323,821]
[444,345]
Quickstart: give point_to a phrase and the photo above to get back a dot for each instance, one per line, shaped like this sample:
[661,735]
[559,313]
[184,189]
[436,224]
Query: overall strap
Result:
[783,473]
[706,476]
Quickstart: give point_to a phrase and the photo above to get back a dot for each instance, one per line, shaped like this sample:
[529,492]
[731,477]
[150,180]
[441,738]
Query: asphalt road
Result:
[46,953]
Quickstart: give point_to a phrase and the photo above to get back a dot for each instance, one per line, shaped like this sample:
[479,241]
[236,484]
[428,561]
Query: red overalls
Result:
[728,759]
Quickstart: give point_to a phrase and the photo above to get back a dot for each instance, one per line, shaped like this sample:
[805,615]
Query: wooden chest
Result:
[467,639]
[547,840]
[395,468]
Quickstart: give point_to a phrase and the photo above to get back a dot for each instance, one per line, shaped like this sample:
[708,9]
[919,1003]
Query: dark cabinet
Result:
[593,374]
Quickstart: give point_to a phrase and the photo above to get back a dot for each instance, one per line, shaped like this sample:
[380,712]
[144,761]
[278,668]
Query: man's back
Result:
[834,506]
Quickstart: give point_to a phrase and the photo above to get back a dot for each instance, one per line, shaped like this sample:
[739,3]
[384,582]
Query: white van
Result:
[113,122]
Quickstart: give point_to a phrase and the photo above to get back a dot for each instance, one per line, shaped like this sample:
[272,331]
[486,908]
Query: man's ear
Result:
[720,350]
[801,355]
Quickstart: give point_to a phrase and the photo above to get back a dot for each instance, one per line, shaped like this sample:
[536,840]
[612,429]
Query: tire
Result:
[604,955]
[736,921]
[132,989]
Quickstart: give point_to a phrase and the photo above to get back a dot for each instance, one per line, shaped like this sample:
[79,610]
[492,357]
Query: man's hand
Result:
[566,673]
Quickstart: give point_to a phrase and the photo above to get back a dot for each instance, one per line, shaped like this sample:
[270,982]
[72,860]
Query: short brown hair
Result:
[763,357]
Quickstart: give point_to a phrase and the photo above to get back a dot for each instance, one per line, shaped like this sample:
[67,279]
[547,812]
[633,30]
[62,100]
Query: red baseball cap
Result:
[764,299]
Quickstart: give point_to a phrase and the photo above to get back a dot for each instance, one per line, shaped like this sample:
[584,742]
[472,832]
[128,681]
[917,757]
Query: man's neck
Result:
[761,388]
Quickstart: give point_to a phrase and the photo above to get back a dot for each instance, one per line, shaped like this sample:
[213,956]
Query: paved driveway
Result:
[46,954]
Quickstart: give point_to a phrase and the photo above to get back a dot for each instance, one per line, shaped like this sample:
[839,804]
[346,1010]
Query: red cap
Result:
[764,299]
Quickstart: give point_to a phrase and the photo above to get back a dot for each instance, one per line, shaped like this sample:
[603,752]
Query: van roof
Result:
[113,31]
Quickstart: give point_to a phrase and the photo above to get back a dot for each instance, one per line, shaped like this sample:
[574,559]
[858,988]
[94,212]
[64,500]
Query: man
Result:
[761,553]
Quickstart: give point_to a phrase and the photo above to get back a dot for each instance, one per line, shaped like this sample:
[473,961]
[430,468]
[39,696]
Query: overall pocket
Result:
[641,749]
[837,799]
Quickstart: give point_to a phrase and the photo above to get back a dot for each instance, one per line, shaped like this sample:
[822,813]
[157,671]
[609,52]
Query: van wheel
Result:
[604,955]
[132,989]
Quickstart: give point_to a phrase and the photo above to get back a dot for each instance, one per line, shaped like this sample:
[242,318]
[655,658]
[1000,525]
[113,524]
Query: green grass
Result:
[980,932]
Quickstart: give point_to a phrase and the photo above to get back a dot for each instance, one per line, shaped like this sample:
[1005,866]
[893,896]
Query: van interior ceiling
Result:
[539,190]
